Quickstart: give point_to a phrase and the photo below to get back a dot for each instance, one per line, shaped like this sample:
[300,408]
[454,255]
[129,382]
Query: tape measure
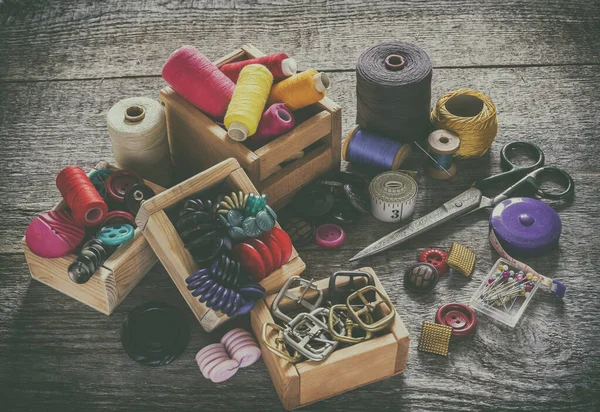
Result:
[393,196]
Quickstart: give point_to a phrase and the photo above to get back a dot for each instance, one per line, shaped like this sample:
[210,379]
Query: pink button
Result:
[330,235]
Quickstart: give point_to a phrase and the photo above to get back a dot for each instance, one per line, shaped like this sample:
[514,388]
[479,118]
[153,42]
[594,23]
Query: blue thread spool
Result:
[374,151]
[442,146]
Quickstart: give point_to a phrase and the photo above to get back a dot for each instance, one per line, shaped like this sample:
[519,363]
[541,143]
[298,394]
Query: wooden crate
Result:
[113,280]
[345,369]
[168,246]
[197,143]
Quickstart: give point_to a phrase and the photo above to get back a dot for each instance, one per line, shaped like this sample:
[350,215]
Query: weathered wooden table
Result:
[64,64]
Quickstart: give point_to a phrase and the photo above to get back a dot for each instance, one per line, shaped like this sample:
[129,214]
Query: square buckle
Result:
[278,348]
[310,337]
[349,326]
[337,294]
[369,305]
[285,292]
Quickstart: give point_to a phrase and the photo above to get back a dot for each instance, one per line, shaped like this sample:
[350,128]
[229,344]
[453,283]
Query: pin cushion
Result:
[526,226]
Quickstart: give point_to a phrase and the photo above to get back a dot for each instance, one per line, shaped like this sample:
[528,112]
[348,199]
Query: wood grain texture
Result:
[538,60]
[83,39]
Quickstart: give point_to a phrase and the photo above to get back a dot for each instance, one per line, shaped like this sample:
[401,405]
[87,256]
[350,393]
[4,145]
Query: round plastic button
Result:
[285,243]
[265,254]
[314,201]
[276,253]
[459,317]
[330,235]
[421,277]
[118,217]
[115,235]
[135,195]
[250,260]
[155,334]
[98,178]
[435,257]
[119,183]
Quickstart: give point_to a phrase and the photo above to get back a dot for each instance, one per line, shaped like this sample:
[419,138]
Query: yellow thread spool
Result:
[248,101]
[472,115]
[300,90]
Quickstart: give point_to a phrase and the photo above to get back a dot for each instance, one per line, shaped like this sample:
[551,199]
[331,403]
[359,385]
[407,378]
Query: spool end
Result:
[444,142]
[238,131]
[135,113]
[284,115]
[94,215]
[321,82]
[403,153]
[349,137]
[394,62]
[289,67]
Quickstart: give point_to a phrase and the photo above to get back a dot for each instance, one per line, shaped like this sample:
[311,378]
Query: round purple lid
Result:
[525,226]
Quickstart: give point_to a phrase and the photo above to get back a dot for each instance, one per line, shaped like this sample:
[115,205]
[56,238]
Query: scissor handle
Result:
[532,179]
[513,171]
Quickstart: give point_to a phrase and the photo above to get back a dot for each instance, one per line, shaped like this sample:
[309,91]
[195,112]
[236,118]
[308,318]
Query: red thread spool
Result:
[275,121]
[199,81]
[279,64]
[79,192]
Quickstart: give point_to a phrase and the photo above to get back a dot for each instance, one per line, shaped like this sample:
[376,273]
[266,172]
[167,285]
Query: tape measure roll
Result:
[393,196]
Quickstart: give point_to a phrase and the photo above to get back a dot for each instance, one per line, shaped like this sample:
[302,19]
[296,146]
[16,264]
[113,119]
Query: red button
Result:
[285,243]
[251,260]
[118,216]
[459,317]
[119,183]
[276,252]
[435,257]
[265,254]
[330,236]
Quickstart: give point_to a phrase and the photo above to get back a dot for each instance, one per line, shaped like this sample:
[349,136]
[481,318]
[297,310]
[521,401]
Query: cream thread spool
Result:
[443,144]
[138,132]
[393,196]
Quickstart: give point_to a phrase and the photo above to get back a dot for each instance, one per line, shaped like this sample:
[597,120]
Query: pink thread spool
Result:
[199,81]
[279,64]
[275,121]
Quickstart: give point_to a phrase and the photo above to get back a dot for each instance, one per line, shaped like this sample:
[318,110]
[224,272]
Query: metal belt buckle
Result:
[284,292]
[278,348]
[349,325]
[370,305]
[338,294]
[310,337]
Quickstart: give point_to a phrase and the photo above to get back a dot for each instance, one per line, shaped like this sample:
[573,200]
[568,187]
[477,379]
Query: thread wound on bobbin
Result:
[443,144]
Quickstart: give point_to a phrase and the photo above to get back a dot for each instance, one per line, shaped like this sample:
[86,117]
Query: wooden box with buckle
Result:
[300,384]
[153,220]
[111,282]
[197,142]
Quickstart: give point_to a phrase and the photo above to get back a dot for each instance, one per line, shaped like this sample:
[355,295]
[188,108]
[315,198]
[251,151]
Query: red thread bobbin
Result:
[81,196]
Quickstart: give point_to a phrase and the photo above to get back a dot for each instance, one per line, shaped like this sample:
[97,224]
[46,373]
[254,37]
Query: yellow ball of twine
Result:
[248,101]
[472,115]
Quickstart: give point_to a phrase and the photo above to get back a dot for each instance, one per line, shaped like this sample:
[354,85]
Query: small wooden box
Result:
[197,142]
[345,369]
[168,246]
[113,280]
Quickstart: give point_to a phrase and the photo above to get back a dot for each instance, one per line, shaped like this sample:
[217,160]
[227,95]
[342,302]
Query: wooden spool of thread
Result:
[138,131]
[472,115]
[443,144]
[280,65]
[248,102]
[300,90]
[370,149]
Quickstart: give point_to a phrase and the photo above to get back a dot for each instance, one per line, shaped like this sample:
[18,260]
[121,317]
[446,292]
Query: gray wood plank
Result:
[49,125]
[85,39]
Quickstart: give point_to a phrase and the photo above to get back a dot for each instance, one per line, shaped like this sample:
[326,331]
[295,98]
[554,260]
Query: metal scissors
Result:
[526,177]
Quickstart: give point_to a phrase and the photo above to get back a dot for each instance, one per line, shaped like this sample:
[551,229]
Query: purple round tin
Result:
[525,226]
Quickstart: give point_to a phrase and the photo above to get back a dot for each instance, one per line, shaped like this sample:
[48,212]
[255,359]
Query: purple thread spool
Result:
[375,151]
[525,226]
